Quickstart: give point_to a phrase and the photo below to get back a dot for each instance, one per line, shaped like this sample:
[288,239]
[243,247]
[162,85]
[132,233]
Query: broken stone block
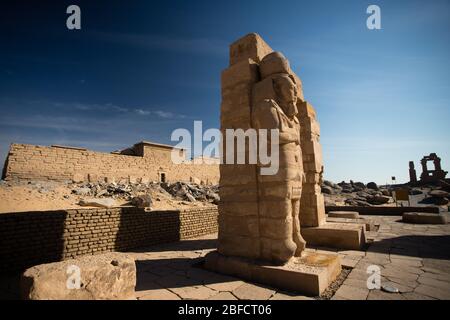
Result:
[110,276]
[372,185]
[143,201]
[424,218]
[100,203]
[349,236]
[344,214]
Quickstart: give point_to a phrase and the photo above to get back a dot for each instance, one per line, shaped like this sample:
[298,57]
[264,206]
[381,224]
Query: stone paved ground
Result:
[415,259]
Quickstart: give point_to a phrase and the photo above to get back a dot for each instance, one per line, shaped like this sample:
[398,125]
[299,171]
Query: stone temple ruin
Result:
[143,162]
[266,220]
[427,176]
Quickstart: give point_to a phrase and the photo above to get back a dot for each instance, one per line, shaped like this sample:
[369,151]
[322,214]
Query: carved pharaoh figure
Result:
[274,107]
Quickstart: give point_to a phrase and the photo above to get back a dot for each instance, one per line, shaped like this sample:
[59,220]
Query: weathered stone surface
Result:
[105,276]
[344,214]
[100,203]
[158,294]
[336,235]
[286,296]
[311,274]
[274,107]
[251,46]
[433,292]
[372,185]
[194,292]
[223,296]
[439,194]
[377,199]
[381,295]
[352,293]
[143,201]
[424,218]
[249,291]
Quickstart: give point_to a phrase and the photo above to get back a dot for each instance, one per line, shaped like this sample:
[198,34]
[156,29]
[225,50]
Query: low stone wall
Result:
[30,238]
[382,211]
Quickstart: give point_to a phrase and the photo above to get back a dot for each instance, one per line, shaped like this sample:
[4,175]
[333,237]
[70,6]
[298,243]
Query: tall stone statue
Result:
[260,214]
[274,108]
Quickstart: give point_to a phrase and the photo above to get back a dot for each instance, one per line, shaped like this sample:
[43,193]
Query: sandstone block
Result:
[251,46]
[336,235]
[311,274]
[245,71]
[344,214]
[110,276]
[424,218]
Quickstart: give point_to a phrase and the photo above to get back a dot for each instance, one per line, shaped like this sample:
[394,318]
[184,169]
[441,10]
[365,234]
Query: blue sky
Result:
[138,71]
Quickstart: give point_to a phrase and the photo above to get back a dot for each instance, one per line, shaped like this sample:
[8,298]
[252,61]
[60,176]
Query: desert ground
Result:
[54,195]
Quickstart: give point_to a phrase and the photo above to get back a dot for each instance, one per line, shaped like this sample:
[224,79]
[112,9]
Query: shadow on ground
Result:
[421,246]
[184,245]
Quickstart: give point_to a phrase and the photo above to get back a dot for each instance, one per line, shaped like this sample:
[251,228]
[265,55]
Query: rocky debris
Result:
[435,200]
[139,194]
[331,184]
[143,201]
[100,203]
[358,186]
[437,197]
[414,192]
[356,202]
[327,190]
[373,186]
[378,199]
[110,276]
[82,191]
[439,193]
[356,193]
[193,192]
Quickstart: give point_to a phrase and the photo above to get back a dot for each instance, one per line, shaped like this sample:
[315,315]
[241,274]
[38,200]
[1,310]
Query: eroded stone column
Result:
[312,207]
[239,231]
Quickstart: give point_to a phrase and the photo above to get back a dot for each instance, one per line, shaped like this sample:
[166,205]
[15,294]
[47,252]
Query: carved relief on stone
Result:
[274,107]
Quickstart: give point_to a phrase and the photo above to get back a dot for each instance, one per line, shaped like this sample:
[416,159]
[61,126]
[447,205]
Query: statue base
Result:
[309,275]
[370,225]
[346,236]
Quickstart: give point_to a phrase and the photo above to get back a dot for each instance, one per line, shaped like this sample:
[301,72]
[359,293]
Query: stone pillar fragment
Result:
[238,209]
[312,207]
[412,173]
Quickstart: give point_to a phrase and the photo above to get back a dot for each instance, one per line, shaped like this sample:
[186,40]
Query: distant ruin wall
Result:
[30,162]
[31,238]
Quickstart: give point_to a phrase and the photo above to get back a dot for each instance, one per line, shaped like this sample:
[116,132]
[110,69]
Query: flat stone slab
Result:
[310,275]
[424,218]
[344,214]
[370,225]
[349,236]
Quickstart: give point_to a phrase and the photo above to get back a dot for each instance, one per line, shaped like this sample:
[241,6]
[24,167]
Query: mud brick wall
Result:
[30,238]
[31,162]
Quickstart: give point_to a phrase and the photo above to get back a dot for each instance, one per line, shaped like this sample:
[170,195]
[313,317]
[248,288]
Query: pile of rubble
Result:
[357,193]
[437,197]
[140,194]
[193,192]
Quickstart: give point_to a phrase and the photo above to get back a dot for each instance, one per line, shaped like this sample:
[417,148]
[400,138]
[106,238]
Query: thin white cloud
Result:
[204,46]
[142,112]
